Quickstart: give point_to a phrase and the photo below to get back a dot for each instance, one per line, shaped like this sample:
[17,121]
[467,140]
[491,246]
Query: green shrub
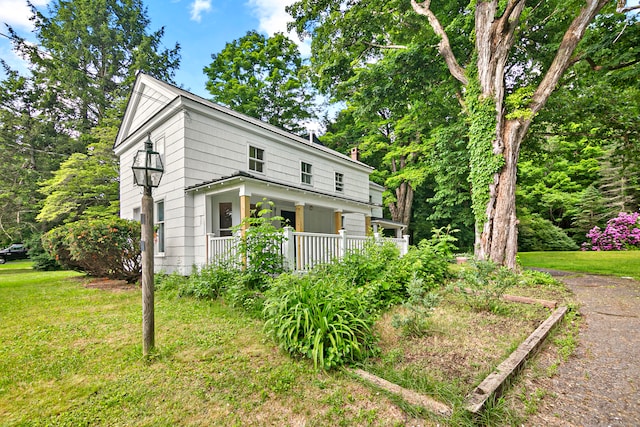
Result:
[430,259]
[539,279]
[418,308]
[208,282]
[102,248]
[316,317]
[241,293]
[172,283]
[539,234]
[261,245]
[484,283]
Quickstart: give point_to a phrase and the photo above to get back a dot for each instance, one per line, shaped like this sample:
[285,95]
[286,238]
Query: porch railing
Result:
[301,251]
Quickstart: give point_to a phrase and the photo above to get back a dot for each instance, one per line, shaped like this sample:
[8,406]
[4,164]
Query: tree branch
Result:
[623,8]
[444,47]
[386,46]
[596,67]
[563,58]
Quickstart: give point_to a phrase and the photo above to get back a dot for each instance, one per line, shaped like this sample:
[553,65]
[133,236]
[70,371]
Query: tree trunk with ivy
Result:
[496,132]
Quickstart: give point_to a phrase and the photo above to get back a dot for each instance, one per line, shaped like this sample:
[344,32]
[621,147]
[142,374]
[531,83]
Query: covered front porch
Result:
[301,251]
[317,220]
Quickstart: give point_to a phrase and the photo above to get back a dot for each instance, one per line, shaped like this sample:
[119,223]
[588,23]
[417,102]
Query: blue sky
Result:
[201,27]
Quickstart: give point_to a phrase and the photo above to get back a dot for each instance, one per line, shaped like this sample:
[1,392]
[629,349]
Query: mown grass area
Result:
[613,263]
[72,355]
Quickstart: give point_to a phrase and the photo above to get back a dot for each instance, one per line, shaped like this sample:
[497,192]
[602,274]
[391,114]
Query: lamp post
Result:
[147,172]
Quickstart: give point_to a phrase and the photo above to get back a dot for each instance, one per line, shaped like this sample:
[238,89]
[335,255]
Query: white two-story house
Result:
[219,163]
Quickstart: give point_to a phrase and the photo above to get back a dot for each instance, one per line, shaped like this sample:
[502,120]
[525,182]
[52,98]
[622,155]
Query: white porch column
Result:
[289,250]
[405,247]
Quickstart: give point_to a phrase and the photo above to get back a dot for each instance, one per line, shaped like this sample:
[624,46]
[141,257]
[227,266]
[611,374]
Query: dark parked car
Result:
[15,251]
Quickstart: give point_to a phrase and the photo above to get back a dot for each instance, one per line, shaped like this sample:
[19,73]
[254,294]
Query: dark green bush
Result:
[539,234]
[101,248]
[42,260]
[316,317]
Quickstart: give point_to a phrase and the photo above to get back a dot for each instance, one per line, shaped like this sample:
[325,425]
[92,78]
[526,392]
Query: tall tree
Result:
[263,77]
[82,68]
[87,184]
[514,57]
[396,113]
[30,148]
[88,52]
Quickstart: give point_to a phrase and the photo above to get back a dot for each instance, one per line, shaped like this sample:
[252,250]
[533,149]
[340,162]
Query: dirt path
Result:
[600,384]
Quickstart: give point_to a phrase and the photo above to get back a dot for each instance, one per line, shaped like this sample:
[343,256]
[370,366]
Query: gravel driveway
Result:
[600,384]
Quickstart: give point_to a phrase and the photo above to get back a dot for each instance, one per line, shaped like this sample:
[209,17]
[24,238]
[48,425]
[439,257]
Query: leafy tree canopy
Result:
[86,185]
[88,52]
[263,77]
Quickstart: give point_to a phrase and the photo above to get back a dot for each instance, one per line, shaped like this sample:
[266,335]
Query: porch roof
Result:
[242,175]
[388,224]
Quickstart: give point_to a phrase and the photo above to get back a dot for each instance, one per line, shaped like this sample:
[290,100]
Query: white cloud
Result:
[199,6]
[16,13]
[273,18]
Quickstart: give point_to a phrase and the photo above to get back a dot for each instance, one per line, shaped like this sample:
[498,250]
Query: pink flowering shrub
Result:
[621,233]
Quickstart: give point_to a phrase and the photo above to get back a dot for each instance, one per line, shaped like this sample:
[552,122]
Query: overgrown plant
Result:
[414,322]
[209,281]
[102,248]
[483,285]
[430,258]
[261,245]
[314,316]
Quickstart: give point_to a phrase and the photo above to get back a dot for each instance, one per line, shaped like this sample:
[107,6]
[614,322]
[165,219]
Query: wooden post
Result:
[367,225]
[245,211]
[148,320]
[337,221]
[300,217]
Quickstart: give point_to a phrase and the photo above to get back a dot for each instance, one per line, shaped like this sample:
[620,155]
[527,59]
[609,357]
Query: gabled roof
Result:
[170,95]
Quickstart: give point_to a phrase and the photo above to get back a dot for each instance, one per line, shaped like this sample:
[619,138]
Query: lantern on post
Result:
[147,172]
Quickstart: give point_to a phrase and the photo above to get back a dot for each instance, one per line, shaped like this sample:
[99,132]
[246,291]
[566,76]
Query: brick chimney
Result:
[355,154]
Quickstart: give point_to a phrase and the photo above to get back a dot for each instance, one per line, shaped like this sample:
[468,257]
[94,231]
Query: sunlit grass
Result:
[70,355]
[614,263]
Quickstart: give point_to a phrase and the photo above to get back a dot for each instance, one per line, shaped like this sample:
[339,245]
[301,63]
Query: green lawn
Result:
[70,355]
[614,263]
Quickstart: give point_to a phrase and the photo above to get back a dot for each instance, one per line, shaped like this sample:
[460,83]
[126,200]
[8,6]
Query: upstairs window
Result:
[256,159]
[339,182]
[305,173]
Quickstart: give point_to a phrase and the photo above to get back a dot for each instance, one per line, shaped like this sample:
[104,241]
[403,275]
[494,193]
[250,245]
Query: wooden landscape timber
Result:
[527,300]
[408,395]
[493,384]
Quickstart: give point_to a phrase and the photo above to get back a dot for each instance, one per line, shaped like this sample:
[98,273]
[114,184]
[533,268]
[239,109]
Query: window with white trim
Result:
[256,159]
[339,178]
[159,227]
[306,176]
